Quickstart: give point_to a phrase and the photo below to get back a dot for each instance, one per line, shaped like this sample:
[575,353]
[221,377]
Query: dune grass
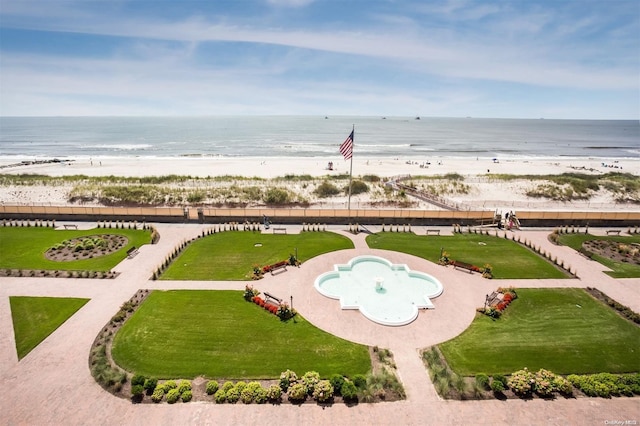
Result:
[563,330]
[24,248]
[618,269]
[231,255]
[507,258]
[217,334]
[35,318]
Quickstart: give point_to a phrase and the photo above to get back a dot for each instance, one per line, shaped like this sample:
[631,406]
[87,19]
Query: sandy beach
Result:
[482,189]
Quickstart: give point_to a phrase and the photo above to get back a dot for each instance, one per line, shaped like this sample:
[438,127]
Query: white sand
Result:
[485,193]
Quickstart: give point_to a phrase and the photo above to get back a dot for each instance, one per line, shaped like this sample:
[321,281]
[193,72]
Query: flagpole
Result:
[353,132]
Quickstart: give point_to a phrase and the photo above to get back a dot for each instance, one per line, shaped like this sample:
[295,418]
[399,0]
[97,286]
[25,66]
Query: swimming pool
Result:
[386,293]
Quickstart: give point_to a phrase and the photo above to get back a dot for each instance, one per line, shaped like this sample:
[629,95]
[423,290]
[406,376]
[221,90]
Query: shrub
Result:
[500,378]
[240,385]
[326,189]
[169,385]
[150,385]
[297,392]
[184,386]
[172,396]
[309,380]
[323,391]
[138,379]
[220,396]
[336,380]
[276,196]
[360,381]
[357,187]
[260,396]
[249,392]
[137,392]
[543,384]
[212,387]
[186,396]
[562,385]
[349,391]
[233,395]
[521,382]
[274,393]
[158,394]
[482,380]
[287,378]
[497,386]
[227,386]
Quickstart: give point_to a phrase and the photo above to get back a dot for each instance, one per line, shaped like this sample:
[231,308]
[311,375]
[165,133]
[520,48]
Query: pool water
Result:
[385,293]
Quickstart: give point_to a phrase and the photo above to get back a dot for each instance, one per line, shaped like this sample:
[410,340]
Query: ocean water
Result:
[314,136]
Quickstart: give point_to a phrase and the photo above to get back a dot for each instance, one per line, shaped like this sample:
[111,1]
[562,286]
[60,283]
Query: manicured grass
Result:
[507,258]
[35,318]
[618,269]
[231,255]
[24,248]
[563,330]
[217,334]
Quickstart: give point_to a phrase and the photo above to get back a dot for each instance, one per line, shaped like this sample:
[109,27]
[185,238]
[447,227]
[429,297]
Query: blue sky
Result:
[454,58]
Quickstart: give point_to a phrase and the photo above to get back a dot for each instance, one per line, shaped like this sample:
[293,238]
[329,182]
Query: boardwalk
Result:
[53,385]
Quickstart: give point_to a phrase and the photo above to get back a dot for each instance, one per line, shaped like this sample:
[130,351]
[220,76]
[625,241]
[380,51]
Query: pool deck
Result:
[52,385]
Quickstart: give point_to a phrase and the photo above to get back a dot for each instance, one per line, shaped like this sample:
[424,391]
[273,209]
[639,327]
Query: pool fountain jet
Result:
[379,287]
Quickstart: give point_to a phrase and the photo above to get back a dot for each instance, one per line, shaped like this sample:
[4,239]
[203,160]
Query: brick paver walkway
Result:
[53,385]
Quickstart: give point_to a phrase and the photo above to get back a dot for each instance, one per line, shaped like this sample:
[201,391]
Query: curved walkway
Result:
[53,385]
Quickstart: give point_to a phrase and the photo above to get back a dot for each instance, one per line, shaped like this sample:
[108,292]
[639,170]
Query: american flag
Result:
[346,149]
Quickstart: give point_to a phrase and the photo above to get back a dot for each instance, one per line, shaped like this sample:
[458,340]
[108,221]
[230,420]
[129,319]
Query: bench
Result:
[132,252]
[613,231]
[279,230]
[433,231]
[270,298]
[70,226]
[461,265]
[279,265]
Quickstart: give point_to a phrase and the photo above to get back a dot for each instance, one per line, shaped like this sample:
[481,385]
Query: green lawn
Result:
[24,248]
[507,258]
[563,330]
[618,269]
[232,255]
[217,334]
[35,318]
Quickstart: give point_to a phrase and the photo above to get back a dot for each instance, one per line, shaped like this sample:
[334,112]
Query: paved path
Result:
[53,385]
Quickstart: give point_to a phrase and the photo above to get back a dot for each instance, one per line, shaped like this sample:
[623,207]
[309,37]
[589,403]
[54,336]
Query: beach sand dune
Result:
[482,187]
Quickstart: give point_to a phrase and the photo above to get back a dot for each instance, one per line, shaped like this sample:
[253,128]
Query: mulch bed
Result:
[614,250]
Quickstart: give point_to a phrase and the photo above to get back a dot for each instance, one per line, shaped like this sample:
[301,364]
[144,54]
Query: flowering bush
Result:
[309,380]
[323,391]
[287,379]
[297,393]
[274,393]
[521,382]
[285,312]
[250,293]
[543,384]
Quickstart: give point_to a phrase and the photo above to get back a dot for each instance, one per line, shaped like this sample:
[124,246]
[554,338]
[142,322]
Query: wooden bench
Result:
[132,252]
[433,231]
[279,230]
[461,265]
[270,298]
[70,226]
[613,231]
[279,265]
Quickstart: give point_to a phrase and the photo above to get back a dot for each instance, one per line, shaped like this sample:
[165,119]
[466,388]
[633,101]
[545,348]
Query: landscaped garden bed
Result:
[559,334]
[619,253]
[225,323]
[47,252]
